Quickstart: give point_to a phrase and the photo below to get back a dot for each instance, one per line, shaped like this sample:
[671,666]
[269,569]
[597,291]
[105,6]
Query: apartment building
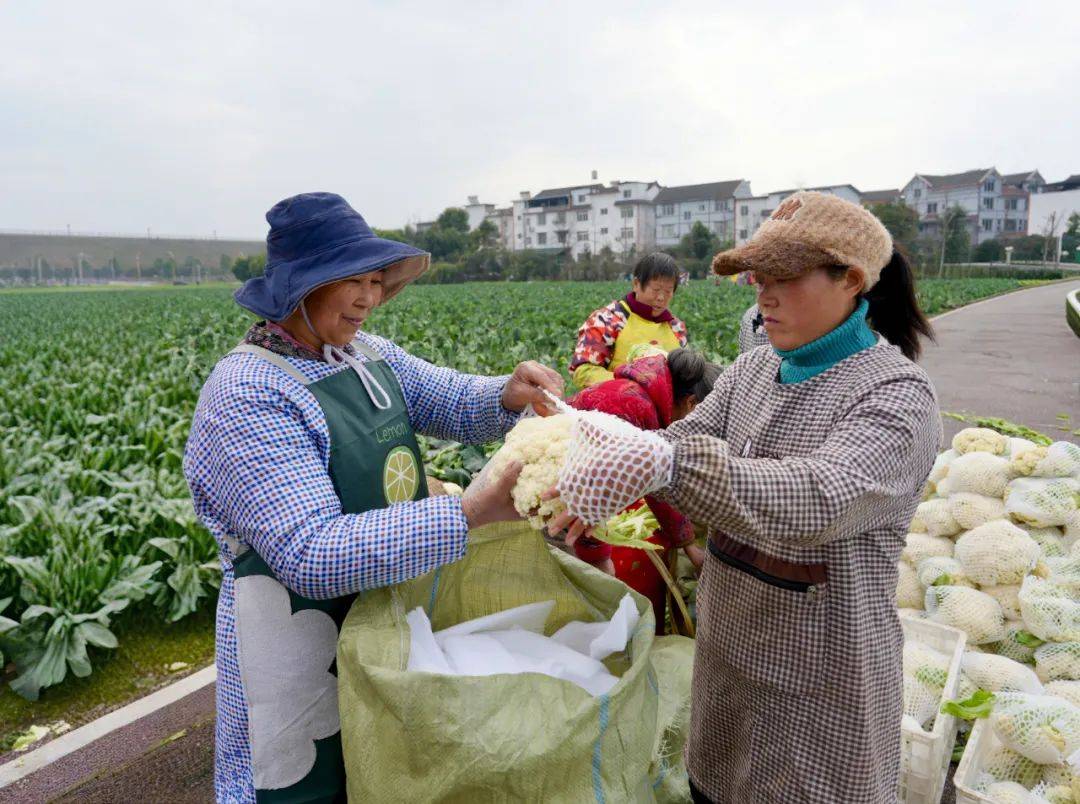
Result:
[712,204]
[586,218]
[752,211]
[995,205]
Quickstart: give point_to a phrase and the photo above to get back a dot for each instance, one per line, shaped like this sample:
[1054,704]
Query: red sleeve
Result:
[675,529]
[592,551]
[596,338]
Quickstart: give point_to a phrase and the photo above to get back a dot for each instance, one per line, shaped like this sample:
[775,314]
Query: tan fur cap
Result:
[812,230]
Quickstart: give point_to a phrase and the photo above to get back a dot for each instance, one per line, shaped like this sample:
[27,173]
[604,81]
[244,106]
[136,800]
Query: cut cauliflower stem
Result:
[540,444]
[997,553]
[919,546]
[933,517]
[973,612]
[971,510]
[979,473]
[980,439]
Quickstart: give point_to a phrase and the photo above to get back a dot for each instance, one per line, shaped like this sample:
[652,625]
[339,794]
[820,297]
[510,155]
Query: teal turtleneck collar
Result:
[813,358]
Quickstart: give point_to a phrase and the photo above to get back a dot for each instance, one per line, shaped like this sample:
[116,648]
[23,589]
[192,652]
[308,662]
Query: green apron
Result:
[293,719]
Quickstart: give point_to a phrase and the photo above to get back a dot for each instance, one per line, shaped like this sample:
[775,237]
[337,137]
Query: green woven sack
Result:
[427,737]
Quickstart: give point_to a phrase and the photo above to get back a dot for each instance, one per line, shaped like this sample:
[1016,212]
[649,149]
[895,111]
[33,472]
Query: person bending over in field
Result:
[607,337]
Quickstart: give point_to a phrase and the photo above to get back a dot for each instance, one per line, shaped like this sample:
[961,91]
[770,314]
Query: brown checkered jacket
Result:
[808,489]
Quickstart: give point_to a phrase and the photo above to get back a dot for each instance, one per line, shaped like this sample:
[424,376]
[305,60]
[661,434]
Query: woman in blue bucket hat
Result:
[303,464]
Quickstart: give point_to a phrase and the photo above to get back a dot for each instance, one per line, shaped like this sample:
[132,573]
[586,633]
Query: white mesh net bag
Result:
[1055,794]
[941,571]
[1018,643]
[976,614]
[941,465]
[972,510]
[997,553]
[610,464]
[980,439]
[1065,571]
[1058,661]
[1069,689]
[1010,793]
[1060,774]
[1005,765]
[1008,597]
[1060,459]
[1018,446]
[995,673]
[909,592]
[925,673]
[1042,502]
[1050,611]
[1043,728]
[979,473]
[1050,540]
[919,546]
[1070,532]
[920,702]
[933,517]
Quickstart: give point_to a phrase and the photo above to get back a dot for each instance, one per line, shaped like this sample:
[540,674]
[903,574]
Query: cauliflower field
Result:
[994,551]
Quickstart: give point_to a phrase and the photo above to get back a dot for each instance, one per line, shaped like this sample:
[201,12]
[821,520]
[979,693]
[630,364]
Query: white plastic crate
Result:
[925,756]
[981,742]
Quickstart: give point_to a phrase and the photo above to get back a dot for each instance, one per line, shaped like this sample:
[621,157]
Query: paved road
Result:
[165,756]
[1011,357]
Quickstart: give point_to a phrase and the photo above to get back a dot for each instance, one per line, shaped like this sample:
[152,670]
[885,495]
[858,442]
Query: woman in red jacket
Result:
[650,393]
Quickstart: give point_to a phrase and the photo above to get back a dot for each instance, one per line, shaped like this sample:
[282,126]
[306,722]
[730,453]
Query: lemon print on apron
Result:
[401,475]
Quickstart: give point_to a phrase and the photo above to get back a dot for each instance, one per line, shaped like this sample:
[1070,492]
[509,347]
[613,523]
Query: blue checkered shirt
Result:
[257,464]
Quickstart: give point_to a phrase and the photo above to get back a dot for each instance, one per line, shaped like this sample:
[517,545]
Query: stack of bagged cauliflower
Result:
[994,550]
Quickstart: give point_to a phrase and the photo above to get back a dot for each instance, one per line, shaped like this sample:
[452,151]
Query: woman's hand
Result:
[483,503]
[566,521]
[527,385]
[695,554]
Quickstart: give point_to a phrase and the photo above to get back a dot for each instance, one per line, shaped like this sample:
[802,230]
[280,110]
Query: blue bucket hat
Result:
[316,239]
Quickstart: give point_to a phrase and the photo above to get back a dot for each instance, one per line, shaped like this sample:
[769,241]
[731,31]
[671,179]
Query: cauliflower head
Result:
[540,444]
[980,439]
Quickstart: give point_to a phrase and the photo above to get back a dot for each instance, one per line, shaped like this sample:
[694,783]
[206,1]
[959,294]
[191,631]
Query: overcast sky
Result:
[197,116]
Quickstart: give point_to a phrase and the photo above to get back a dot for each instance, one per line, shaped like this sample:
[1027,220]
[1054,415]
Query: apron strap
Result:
[276,359]
[366,350]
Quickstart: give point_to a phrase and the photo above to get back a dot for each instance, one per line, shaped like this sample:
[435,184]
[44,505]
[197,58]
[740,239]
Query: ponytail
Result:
[894,308]
[691,374]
